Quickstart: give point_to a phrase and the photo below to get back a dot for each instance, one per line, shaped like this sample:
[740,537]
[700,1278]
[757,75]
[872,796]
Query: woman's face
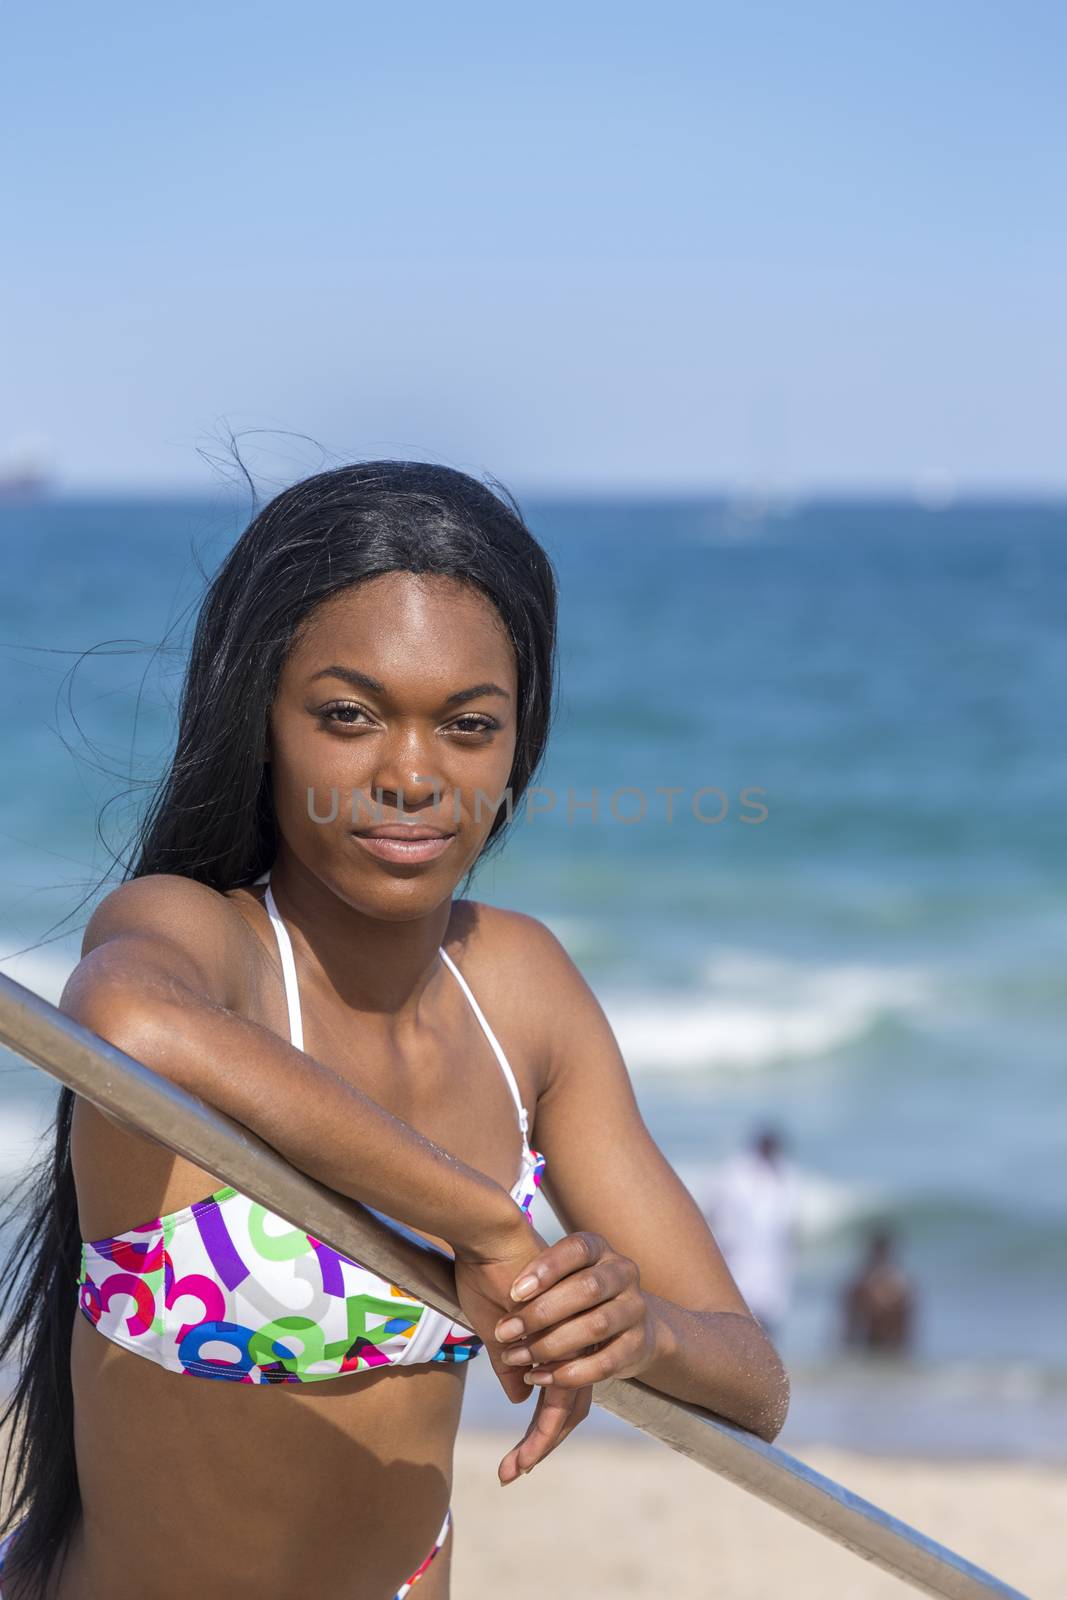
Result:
[375,723]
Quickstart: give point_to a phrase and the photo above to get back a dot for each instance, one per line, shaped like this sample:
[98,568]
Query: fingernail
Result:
[509,1329]
[518,1358]
[524,1287]
[537,1377]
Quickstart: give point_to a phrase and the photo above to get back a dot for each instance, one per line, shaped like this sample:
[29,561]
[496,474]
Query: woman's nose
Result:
[408,773]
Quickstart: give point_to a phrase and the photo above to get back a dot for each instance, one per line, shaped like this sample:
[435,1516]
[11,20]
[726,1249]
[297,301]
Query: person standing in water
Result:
[754,1217]
[367,697]
[878,1303]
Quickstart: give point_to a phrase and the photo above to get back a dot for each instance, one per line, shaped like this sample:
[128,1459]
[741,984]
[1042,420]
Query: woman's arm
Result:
[639,1272]
[165,961]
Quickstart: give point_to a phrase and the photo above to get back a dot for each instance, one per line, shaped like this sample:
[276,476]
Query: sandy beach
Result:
[602,1519]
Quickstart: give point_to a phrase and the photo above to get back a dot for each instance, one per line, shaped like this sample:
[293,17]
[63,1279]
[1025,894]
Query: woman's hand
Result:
[483,1289]
[583,1316]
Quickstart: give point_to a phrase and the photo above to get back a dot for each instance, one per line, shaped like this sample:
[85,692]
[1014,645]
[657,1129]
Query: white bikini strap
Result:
[285,950]
[491,1036]
[292,995]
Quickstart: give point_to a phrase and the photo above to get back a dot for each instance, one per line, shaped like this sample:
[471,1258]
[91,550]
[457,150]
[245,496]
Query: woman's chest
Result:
[447,1084]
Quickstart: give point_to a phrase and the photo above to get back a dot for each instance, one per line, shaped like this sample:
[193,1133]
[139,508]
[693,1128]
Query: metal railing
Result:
[42,1034]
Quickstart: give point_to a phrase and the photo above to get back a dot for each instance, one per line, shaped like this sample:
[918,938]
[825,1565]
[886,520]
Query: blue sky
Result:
[578,246]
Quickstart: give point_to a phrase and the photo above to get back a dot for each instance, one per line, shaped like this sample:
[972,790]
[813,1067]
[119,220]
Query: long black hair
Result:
[212,819]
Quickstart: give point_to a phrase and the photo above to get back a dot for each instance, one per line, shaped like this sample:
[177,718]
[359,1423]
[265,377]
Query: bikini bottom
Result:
[421,1568]
[400,1593]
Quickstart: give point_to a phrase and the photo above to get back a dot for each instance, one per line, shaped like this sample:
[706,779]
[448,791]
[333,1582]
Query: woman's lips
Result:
[406,850]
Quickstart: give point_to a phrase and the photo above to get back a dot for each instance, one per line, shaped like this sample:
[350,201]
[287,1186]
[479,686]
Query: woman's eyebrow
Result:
[363,680]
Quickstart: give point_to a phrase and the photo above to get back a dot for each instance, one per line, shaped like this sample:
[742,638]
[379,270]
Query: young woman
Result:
[367,698]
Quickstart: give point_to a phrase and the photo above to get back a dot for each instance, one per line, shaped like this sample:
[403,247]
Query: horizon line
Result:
[755,494]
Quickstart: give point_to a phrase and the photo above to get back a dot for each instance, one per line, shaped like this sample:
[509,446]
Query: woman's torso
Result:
[177,1469]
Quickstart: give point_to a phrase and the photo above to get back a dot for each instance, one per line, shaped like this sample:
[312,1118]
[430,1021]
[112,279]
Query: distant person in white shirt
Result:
[754,1220]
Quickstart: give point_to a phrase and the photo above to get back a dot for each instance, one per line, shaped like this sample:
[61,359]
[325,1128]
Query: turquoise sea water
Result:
[877,964]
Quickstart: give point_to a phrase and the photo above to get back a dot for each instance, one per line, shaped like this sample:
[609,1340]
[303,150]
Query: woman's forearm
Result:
[319,1121]
[720,1360]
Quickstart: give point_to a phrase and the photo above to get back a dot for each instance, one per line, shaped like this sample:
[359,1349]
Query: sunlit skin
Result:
[381,1010]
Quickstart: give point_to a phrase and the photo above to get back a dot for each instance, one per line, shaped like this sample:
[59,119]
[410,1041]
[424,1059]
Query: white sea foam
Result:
[758,1011]
[824,1205]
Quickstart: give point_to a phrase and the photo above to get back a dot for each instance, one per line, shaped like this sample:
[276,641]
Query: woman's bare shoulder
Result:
[499,934]
[201,933]
[515,964]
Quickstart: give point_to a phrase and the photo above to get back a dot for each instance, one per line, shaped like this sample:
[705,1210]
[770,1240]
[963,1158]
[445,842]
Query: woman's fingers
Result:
[581,1316]
[546,1428]
[573,1337]
[511,1383]
[607,1279]
[548,1437]
[569,1254]
[615,1358]
[557,1414]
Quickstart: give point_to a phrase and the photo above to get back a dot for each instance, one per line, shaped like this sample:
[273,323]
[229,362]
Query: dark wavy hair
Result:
[211,818]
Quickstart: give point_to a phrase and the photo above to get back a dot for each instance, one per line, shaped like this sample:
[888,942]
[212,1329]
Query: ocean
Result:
[824,886]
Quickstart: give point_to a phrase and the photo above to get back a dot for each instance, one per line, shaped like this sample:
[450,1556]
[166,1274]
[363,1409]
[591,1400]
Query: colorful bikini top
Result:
[227,1289]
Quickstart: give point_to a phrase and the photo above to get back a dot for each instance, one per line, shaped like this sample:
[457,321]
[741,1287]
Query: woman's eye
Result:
[343,711]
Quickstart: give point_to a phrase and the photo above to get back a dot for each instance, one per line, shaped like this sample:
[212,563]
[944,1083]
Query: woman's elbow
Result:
[771,1395]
